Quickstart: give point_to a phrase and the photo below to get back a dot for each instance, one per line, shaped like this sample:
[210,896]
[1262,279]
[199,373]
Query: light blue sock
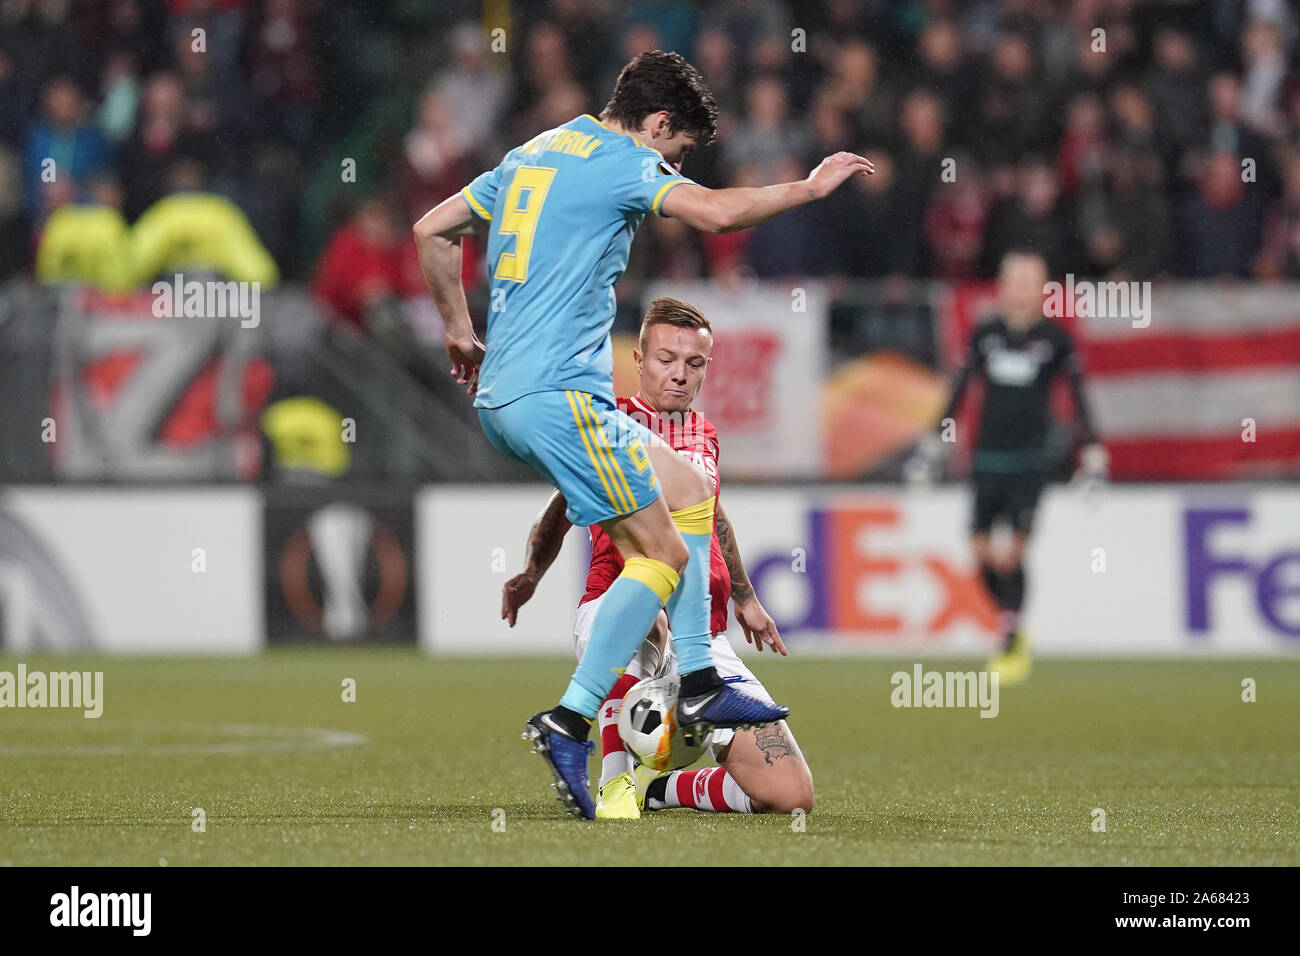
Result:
[626,614]
[689,606]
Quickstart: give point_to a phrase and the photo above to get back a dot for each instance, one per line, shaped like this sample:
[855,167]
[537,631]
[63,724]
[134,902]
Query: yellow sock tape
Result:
[655,575]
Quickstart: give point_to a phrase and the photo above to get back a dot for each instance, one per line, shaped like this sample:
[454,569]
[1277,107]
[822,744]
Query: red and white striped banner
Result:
[1209,389]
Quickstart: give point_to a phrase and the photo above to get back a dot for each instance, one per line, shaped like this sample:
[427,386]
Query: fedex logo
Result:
[847,565]
[1276,578]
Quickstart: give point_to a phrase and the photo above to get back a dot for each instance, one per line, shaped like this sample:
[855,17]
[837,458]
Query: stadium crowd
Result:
[1122,138]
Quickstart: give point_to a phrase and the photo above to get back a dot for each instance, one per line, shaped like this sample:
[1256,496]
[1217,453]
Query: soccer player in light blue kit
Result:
[561,211]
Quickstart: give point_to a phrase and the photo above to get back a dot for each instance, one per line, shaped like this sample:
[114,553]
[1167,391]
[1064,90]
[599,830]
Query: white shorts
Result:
[648,663]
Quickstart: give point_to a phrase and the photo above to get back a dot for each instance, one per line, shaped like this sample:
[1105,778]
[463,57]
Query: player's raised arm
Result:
[754,620]
[437,241]
[544,541]
[743,207]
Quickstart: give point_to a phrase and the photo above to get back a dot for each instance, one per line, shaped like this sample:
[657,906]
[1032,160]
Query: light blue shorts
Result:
[594,453]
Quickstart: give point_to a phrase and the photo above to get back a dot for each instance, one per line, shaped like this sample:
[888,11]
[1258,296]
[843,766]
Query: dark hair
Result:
[668,311]
[664,81]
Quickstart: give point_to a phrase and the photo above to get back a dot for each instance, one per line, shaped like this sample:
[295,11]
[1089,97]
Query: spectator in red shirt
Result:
[361,264]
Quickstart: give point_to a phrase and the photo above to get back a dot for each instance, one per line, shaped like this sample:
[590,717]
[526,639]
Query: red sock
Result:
[614,758]
[712,790]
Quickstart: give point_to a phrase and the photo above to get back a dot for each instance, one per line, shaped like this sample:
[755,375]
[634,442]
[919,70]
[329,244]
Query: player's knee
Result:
[671,551]
[793,796]
[675,554]
[786,804]
[804,798]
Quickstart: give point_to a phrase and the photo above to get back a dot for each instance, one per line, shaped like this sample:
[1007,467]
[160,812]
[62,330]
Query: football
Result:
[648,725]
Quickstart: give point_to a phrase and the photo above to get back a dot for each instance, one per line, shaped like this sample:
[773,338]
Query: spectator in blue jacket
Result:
[62,146]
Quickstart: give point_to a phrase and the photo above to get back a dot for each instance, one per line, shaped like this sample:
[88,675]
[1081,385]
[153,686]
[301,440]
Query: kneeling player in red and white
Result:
[760,770]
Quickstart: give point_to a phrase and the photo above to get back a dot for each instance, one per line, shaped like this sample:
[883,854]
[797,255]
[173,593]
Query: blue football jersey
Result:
[563,208]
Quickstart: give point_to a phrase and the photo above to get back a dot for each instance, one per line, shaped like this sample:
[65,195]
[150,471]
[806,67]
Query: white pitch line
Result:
[273,740]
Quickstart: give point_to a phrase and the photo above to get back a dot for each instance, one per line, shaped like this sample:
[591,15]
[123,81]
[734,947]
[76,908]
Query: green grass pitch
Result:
[286,772]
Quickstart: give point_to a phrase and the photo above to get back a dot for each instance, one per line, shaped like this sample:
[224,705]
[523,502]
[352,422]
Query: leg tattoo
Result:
[772,742]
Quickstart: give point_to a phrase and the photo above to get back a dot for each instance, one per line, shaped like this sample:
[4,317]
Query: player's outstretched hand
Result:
[832,171]
[515,595]
[758,626]
[466,354]
[1094,470]
[1094,462]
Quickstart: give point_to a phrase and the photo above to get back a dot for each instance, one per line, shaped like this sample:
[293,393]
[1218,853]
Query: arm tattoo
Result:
[772,742]
[547,535]
[741,589]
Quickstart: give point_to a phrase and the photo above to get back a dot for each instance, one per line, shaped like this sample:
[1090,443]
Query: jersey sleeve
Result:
[975,349]
[644,178]
[481,194]
[972,364]
[1067,353]
[711,434]
[1070,363]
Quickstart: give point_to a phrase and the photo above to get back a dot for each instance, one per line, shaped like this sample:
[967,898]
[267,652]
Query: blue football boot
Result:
[567,759]
[723,706]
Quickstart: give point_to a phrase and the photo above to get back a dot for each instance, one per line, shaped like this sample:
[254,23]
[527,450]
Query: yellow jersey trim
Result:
[663,191]
[602,445]
[577,417]
[615,132]
[475,205]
